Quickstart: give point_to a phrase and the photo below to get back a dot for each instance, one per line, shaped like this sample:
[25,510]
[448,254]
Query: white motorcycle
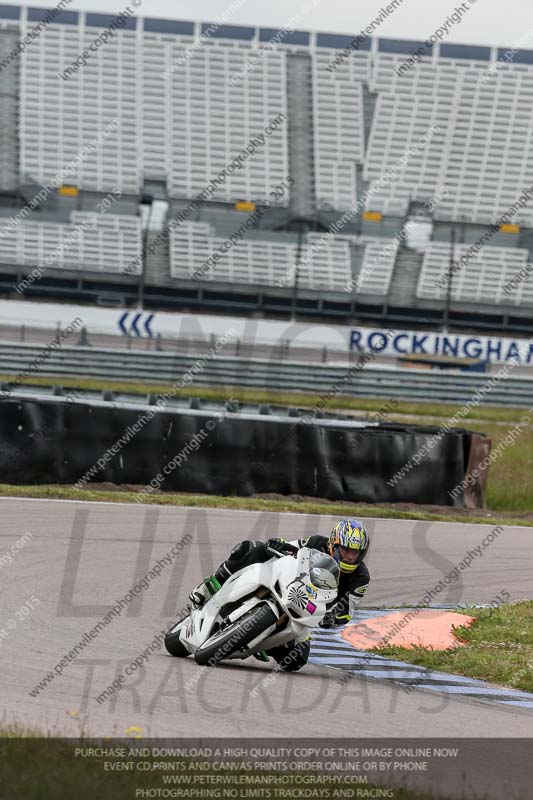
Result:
[260,607]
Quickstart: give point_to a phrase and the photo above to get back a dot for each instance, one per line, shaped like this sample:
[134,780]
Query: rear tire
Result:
[235,637]
[174,646]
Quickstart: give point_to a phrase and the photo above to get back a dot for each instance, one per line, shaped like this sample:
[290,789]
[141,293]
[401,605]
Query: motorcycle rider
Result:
[347,543]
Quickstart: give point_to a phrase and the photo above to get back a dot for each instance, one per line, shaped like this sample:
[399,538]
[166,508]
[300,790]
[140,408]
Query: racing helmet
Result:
[349,534]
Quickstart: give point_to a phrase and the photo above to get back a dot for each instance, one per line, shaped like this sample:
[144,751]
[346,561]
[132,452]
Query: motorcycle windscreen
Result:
[324,570]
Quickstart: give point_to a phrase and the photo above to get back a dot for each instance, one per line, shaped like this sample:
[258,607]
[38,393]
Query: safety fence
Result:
[272,375]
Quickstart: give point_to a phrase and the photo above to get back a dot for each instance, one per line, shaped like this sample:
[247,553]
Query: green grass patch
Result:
[509,485]
[323,508]
[498,649]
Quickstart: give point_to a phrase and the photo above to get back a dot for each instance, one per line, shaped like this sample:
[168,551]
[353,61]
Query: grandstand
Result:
[485,279]
[94,242]
[189,128]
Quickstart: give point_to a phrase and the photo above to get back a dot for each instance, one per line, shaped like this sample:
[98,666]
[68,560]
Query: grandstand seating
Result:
[327,264]
[190,118]
[482,152]
[400,124]
[356,67]
[212,121]
[481,280]
[188,123]
[93,242]
[9,160]
[339,138]
[159,104]
[159,53]
[377,266]
[193,243]
[59,118]
[324,266]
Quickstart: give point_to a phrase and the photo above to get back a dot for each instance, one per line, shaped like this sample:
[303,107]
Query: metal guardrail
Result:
[194,407]
[209,406]
[279,376]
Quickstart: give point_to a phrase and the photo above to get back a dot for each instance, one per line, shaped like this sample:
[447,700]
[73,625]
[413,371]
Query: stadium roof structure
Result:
[260,34]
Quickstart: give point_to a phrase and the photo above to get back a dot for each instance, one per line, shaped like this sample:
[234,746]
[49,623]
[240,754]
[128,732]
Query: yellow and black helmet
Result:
[352,535]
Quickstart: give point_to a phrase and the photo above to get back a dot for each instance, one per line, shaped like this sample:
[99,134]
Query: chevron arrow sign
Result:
[136,323]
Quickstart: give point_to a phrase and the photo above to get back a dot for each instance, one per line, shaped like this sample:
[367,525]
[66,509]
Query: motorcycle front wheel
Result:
[173,644]
[236,636]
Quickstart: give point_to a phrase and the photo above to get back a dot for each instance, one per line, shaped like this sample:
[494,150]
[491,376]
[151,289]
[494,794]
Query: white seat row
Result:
[212,121]
[84,129]
[481,280]
[260,262]
[377,267]
[339,138]
[184,109]
[182,123]
[377,263]
[482,152]
[91,242]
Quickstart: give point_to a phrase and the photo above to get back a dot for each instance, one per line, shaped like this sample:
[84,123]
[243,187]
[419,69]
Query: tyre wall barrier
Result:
[55,440]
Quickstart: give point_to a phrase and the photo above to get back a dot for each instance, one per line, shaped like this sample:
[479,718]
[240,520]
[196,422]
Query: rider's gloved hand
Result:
[328,621]
[276,546]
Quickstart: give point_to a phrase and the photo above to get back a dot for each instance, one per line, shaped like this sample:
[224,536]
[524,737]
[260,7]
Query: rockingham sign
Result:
[337,338]
[405,343]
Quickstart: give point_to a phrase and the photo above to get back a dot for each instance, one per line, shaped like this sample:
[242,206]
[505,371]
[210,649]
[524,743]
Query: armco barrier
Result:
[265,375]
[272,375]
[240,454]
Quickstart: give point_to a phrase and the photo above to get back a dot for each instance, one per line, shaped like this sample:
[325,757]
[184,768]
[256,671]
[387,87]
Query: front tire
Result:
[223,643]
[174,645]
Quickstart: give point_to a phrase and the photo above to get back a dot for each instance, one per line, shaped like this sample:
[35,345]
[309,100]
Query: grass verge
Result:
[498,648]
[290,505]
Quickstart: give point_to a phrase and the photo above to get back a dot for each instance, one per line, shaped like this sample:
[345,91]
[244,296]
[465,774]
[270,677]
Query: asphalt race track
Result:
[83,557]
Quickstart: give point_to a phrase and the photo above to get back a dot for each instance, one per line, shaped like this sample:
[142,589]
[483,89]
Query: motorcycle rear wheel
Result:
[235,637]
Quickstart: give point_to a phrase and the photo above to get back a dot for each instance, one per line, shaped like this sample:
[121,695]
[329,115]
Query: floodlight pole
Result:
[297,268]
[146,200]
[449,283]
